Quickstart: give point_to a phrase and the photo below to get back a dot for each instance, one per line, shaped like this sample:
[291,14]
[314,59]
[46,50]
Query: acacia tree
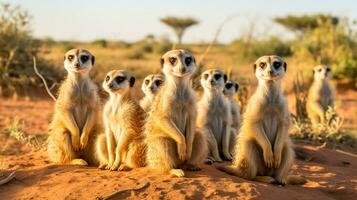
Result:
[179,25]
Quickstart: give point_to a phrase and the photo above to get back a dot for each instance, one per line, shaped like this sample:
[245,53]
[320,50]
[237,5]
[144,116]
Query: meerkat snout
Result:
[179,63]
[78,61]
[270,68]
[118,81]
[322,72]
[213,79]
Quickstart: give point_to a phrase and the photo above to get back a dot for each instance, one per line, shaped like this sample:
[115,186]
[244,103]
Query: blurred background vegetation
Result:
[318,39]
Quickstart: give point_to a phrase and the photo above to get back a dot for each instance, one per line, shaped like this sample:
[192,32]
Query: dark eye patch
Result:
[328,69]
[217,76]
[107,78]
[70,57]
[319,70]
[188,61]
[262,65]
[173,60]
[84,58]
[147,82]
[119,79]
[158,82]
[229,85]
[276,65]
[205,76]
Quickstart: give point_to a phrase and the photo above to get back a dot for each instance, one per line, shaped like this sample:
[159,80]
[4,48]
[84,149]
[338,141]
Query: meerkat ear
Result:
[236,86]
[285,66]
[132,81]
[162,62]
[194,60]
[254,66]
[93,59]
[225,77]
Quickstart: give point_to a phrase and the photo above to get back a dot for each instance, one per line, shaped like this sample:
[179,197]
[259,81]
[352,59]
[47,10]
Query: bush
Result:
[250,50]
[100,42]
[17,47]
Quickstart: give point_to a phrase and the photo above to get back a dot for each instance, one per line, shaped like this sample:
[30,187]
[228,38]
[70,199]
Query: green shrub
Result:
[100,42]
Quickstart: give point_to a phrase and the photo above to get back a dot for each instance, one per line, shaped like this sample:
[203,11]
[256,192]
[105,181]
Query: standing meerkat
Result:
[214,115]
[150,87]
[230,89]
[264,150]
[320,96]
[75,122]
[122,146]
[172,139]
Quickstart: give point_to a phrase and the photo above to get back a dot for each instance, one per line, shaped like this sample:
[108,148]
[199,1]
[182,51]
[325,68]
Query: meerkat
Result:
[214,115]
[320,96]
[264,151]
[150,87]
[230,89]
[174,144]
[123,146]
[75,122]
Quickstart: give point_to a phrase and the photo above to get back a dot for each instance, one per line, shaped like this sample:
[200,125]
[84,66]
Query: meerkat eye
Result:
[319,70]
[70,57]
[119,79]
[205,76]
[328,69]
[188,60]
[276,65]
[172,60]
[262,65]
[228,85]
[84,59]
[107,78]
[217,76]
[147,82]
[158,82]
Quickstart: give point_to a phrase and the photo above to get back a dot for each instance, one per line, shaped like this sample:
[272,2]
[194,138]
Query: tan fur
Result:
[263,147]
[150,87]
[214,115]
[230,89]
[320,96]
[123,145]
[75,125]
[173,141]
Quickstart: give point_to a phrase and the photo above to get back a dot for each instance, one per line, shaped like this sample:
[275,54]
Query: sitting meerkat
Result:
[230,89]
[264,151]
[150,87]
[320,96]
[75,122]
[122,147]
[214,115]
[171,136]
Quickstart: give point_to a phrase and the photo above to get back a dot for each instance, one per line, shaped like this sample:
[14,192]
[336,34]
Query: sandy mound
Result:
[331,174]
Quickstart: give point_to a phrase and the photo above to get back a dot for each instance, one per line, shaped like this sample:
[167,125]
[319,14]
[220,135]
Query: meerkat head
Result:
[152,83]
[230,88]
[213,79]
[78,61]
[322,72]
[178,63]
[270,68]
[118,82]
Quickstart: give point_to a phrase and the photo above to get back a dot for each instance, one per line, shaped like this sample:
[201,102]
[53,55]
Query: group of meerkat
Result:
[169,130]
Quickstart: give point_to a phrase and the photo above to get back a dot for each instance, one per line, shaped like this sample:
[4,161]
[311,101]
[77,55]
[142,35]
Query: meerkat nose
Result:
[76,64]
[111,85]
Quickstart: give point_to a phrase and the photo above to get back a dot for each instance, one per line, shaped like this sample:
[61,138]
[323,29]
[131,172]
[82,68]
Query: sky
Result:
[132,20]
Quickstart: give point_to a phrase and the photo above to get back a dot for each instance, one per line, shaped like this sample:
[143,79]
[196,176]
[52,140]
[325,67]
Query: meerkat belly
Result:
[179,118]
[216,126]
[80,115]
[270,125]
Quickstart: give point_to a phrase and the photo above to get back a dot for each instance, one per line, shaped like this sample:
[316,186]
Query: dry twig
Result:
[43,79]
[8,178]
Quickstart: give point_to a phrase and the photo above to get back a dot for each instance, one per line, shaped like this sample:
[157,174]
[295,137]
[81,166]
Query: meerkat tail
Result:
[230,169]
[296,180]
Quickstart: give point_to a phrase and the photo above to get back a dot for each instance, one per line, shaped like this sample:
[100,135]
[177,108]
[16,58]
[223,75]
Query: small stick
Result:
[139,187]
[8,178]
[346,153]
[43,79]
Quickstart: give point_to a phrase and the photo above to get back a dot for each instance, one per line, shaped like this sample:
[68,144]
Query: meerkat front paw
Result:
[277,158]
[83,141]
[75,143]
[227,156]
[268,157]
[181,150]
